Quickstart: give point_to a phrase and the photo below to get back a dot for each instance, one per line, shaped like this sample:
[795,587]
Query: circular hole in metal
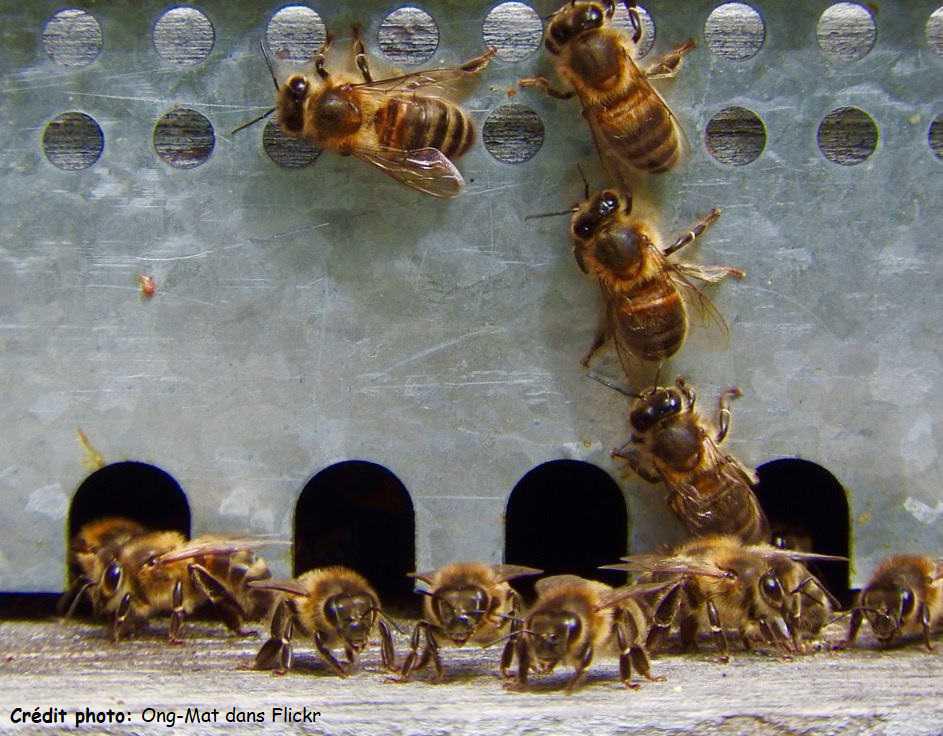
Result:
[847,136]
[513,133]
[735,136]
[514,29]
[295,33]
[291,153]
[935,137]
[647,41]
[184,36]
[408,36]
[184,138]
[846,31]
[72,37]
[734,31]
[935,31]
[73,141]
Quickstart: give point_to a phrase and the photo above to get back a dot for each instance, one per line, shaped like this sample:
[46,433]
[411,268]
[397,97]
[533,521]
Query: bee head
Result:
[290,104]
[886,609]
[353,615]
[460,610]
[597,210]
[653,406]
[552,634]
[576,18]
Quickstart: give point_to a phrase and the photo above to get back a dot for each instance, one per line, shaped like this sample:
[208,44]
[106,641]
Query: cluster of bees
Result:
[727,579]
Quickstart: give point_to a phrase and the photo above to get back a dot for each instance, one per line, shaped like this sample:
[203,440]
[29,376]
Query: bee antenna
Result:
[615,387]
[551,214]
[252,122]
[585,181]
[392,622]
[268,63]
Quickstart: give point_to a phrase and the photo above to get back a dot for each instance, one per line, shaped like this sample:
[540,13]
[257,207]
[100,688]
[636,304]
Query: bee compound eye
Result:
[112,577]
[906,601]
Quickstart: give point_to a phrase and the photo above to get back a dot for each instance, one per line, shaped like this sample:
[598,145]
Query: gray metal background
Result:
[310,316]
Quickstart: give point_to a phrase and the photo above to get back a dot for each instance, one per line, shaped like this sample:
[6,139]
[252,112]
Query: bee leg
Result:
[387,651]
[477,63]
[507,654]
[625,659]
[720,636]
[599,339]
[793,616]
[507,657]
[636,462]
[224,601]
[631,7]
[689,627]
[857,615]
[723,412]
[121,615]
[360,55]
[328,656]
[352,658]
[276,653]
[925,623]
[668,65]
[176,618]
[410,661]
[694,233]
[643,664]
[543,84]
[586,656]
[688,391]
[320,59]
[664,616]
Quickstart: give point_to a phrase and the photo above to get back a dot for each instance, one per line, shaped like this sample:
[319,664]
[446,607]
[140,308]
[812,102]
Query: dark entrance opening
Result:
[808,510]
[360,515]
[567,516]
[137,491]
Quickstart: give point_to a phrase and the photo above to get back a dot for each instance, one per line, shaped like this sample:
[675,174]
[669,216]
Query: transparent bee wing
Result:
[681,274]
[509,572]
[447,81]
[672,565]
[281,585]
[797,556]
[613,598]
[426,170]
[216,546]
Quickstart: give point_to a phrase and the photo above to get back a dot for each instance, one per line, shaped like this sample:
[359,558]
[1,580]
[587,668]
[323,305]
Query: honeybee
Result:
[645,314]
[575,619]
[139,574]
[336,607]
[397,124]
[758,590]
[466,602]
[634,130]
[711,492]
[903,597]
[91,550]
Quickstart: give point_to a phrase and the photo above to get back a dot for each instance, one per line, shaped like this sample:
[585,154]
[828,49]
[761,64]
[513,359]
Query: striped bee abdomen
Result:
[640,129]
[410,122]
[720,505]
[651,319]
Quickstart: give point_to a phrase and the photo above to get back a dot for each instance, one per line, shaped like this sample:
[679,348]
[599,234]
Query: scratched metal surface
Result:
[312,315]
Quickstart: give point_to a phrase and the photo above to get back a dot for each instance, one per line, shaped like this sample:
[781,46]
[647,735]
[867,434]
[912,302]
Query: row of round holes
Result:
[183,35]
[512,134]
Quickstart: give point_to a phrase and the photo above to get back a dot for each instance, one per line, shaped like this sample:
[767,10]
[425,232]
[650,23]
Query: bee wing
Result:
[509,572]
[215,546]
[615,166]
[282,585]
[427,170]
[674,565]
[613,598]
[544,585]
[938,575]
[681,274]
[426,577]
[449,81]
[797,556]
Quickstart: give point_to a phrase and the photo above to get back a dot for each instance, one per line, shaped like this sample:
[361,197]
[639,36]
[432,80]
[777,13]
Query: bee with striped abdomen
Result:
[336,607]
[645,314]
[398,124]
[904,597]
[710,491]
[573,620]
[633,128]
[465,602]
